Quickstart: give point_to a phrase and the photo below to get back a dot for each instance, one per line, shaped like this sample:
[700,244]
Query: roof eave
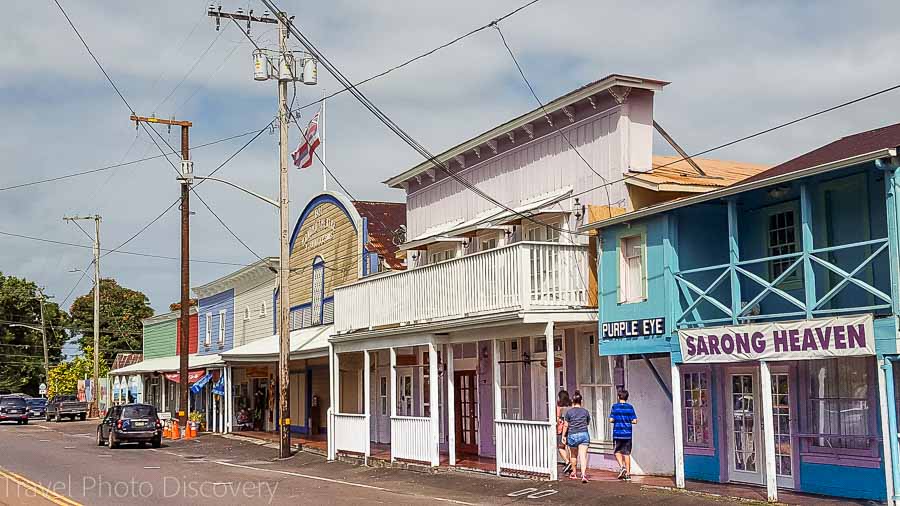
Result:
[536,114]
[743,187]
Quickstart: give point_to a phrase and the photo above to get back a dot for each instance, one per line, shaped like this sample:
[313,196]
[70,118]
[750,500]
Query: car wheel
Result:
[18,422]
[82,416]
[58,418]
[46,417]
[111,441]
[156,443]
[100,441]
[25,422]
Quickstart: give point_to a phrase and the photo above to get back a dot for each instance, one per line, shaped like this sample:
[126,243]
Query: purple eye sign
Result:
[797,340]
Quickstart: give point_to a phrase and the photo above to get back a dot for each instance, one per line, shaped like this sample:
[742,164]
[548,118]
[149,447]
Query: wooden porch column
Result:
[886,401]
[332,453]
[677,424]
[551,399]
[367,402]
[733,258]
[393,396]
[498,412]
[229,402]
[451,406]
[806,233]
[765,387]
[433,384]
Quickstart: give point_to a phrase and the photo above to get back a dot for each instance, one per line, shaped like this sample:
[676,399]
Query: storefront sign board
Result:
[795,340]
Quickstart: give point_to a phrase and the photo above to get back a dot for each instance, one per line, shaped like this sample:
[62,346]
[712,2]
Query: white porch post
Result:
[332,453]
[433,384]
[451,406]
[676,423]
[765,387]
[885,405]
[229,402]
[393,396]
[498,412]
[551,399]
[367,401]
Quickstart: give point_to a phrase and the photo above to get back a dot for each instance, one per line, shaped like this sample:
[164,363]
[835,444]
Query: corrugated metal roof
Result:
[887,137]
[383,219]
[671,173]
[126,359]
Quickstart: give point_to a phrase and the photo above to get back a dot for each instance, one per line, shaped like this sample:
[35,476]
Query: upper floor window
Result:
[487,244]
[318,290]
[221,327]
[207,336]
[782,240]
[632,287]
[541,232]
[440,256]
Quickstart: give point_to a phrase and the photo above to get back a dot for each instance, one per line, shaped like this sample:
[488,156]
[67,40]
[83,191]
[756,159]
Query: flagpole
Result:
[324,170]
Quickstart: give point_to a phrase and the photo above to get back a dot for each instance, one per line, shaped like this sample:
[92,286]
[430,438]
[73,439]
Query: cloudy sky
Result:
[735,67]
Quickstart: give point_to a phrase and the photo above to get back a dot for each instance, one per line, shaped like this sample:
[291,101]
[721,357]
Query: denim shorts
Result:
[578,439]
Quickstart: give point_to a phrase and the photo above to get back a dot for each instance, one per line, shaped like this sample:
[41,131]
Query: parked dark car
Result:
[37,407]
[131,423]
[13,408]
[66,406]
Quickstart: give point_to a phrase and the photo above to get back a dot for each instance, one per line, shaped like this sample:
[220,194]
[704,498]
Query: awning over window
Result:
[305,343]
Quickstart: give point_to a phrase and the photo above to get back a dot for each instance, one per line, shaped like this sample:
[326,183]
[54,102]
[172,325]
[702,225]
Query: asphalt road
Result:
[71,469]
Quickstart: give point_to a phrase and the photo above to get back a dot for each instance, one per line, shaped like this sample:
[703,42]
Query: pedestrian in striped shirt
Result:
[623,417]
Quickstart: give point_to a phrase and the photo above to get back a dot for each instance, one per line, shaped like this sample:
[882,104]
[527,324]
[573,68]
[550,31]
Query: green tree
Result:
[64,377]
[21,348]
[121,312]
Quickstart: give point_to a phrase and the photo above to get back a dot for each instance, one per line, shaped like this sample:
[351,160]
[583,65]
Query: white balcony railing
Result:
[349,432]
[521,276]
[525,446]
[411,438]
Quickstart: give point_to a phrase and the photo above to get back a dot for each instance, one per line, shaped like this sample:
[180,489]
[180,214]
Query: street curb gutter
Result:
[710,495]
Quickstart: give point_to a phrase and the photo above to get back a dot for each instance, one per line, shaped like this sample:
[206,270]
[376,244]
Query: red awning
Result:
[193,376]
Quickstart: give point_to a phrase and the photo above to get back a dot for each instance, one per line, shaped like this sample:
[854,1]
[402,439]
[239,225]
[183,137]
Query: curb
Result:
[710,495]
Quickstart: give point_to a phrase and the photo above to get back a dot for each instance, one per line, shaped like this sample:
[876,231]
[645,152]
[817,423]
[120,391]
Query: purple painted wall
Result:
[485,399]
[571,379]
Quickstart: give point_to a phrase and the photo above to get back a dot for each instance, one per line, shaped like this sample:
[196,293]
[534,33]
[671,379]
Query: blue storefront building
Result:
[767,313]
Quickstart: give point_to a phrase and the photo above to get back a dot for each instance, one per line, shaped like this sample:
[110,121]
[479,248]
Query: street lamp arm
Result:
[241,188]
[24,326]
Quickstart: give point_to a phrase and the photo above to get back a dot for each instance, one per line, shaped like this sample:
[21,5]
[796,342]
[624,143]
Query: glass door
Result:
[405,395]
[744,463]
[781,416]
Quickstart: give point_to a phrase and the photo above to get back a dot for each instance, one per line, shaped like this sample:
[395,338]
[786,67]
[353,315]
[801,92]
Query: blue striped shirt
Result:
[622,415]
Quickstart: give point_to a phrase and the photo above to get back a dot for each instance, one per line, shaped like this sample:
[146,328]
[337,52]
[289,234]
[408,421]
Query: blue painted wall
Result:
[212,306]
[853,482]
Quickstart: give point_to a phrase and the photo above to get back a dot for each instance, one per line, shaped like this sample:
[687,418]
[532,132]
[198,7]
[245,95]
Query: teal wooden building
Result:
[774,303]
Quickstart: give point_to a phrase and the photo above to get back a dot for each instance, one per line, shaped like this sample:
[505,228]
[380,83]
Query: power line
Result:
[75,286]
[191,70]
[544,110]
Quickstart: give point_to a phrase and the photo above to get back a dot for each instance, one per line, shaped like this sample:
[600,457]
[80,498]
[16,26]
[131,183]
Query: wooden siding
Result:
[159,339]
[192,343]
[526,169]
[329,233]
[257,326]
[212,306]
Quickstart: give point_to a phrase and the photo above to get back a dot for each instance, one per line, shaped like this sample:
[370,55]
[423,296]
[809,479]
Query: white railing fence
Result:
[349,432]
[411,438]
[525,446]
[523,275]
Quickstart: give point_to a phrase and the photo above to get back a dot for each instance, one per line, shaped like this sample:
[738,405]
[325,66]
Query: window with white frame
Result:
[221,328]
[487,244]
[782,240]
[696,409]
[542,232]
[510,379]
[840,403]
[207,336]
[597,385]
[440,256]
[631,269]
[318,290]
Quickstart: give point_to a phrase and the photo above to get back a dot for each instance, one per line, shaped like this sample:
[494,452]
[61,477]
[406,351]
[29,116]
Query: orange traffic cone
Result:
[176,433]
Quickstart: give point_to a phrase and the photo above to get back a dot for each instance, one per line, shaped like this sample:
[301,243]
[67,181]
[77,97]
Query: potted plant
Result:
[195,418]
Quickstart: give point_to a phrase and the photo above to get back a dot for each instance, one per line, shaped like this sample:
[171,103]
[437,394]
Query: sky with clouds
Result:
[735,68]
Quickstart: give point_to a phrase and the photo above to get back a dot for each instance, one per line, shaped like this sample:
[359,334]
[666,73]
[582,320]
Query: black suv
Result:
[13,408]
[131,423]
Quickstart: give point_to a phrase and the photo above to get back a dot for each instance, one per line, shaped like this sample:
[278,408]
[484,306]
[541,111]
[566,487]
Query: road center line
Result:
[341,482]
[39,489]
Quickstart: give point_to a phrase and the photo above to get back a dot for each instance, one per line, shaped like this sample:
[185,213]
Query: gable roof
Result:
[383,218]
[887,137]
[672,173]
[126,359]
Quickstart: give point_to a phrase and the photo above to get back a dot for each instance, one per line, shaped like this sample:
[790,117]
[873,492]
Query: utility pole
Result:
[186,179]
[44,338]
[95,384]
[284,68]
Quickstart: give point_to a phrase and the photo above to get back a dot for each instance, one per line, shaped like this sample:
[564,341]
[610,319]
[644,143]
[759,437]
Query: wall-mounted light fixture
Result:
[578,209]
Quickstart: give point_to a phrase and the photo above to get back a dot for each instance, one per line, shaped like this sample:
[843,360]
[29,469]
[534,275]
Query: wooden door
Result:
[466,399]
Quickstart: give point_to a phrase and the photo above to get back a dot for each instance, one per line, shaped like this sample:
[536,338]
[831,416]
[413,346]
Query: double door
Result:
[746,452]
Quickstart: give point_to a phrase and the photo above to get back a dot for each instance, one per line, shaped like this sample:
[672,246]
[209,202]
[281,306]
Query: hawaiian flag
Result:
[303,156]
